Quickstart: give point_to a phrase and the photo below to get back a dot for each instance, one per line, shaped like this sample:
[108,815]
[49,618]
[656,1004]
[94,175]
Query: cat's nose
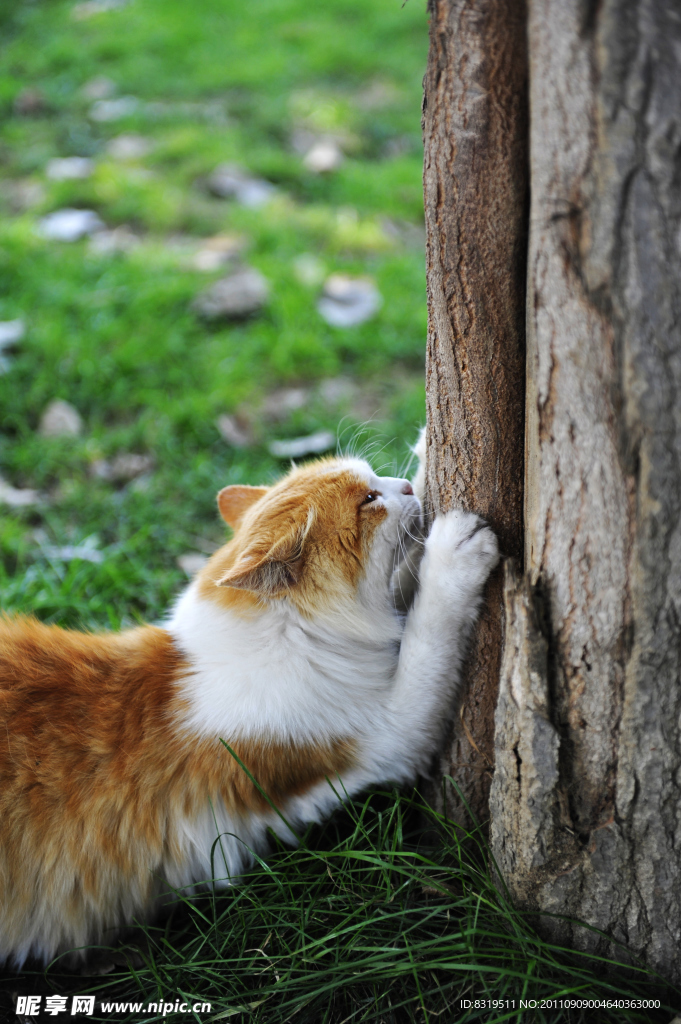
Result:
[407,488]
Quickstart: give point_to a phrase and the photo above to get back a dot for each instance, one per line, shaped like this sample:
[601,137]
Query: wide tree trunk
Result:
[586,797]
[475,184]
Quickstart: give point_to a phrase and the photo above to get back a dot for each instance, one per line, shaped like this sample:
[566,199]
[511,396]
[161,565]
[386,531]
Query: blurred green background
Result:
[153,96]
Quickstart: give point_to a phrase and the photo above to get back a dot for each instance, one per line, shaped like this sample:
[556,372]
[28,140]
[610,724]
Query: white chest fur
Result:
[277,674]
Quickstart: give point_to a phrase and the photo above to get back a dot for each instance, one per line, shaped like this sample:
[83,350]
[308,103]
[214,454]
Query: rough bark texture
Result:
[586,799]
[475,184]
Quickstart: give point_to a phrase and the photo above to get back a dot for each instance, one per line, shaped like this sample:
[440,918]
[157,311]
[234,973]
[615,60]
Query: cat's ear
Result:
[235,500]
[274,571]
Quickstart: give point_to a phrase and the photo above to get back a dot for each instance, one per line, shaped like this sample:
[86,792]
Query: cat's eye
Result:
[371,496]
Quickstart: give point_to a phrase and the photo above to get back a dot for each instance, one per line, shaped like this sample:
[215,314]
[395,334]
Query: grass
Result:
[388,913]
[385,913]
[115,335]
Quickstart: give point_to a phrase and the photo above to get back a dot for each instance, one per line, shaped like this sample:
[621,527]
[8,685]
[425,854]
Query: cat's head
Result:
[328,530]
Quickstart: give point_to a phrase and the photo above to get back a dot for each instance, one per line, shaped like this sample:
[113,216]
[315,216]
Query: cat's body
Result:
[114,785]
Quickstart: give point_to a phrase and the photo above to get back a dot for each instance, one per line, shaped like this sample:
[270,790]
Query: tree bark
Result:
[475,186]
[586,798]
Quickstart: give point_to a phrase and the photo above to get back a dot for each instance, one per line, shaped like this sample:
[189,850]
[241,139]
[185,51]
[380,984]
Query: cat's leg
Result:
[460,553]
[405,727]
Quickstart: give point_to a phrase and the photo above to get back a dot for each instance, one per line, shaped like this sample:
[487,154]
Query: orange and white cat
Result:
[114,785]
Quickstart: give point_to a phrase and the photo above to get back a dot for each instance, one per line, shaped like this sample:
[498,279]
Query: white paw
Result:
[462,547]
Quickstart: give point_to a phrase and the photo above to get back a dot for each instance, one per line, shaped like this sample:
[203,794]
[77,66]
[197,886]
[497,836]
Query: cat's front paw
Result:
[462,549]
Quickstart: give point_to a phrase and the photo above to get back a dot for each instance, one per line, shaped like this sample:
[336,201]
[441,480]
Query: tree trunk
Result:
[475,184]
[586,797]
[586,802]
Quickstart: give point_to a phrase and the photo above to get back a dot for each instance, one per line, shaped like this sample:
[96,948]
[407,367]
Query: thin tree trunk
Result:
[586,798]
[475,185]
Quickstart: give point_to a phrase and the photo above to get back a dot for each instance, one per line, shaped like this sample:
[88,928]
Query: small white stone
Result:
[24,194]
[281,403]
[71,552]
[69,225]
[129,147]
[302,140]
[124,467]
[209,260]
[11,333]
[233,433]
[98,88]
[324,157]
[309,269]
[232,298]
[90,8]
[255,193]
[297,447]
[120,239]
[217,252]
[129,465]
[17,497]
[226,180]
[192,562]
[229,181]
[335,390]
[101,469]
[113,110]
[69,168]
[60,419]
[349,301]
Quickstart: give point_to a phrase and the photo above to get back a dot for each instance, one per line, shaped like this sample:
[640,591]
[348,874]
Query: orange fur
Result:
[99,775]
[313,522]
[236,499]
[95,774]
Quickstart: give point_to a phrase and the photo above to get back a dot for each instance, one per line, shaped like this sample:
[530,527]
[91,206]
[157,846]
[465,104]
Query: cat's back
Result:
[75,708]
[83,717]
[52,675]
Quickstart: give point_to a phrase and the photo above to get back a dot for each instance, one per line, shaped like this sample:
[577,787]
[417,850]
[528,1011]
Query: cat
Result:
[287,646]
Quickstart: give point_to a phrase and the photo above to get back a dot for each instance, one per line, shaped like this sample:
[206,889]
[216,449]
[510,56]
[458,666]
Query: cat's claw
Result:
[462,546]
